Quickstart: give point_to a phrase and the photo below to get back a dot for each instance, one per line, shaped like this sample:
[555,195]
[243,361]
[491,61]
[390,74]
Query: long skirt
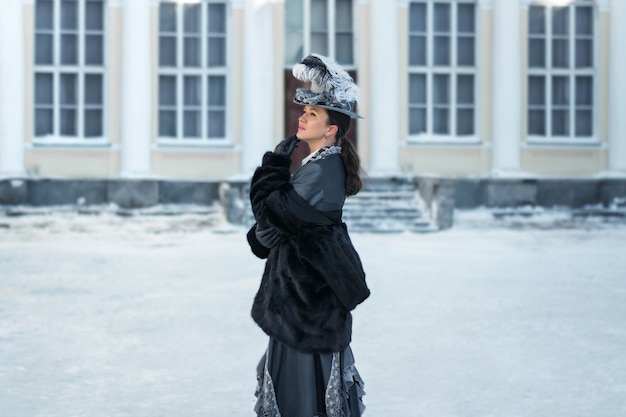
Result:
[296,384]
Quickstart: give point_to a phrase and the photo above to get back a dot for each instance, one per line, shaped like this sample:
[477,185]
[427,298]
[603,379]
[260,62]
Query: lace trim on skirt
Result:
[266,403]
[338,390]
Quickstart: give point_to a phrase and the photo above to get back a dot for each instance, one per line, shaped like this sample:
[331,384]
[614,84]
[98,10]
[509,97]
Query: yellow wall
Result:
[201,164]
[72,163]
[445,160]
[564,161]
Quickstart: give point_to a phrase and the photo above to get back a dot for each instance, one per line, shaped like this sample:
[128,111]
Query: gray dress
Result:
[297,384]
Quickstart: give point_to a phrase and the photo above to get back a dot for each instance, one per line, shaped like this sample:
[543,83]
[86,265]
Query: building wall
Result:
[255,98]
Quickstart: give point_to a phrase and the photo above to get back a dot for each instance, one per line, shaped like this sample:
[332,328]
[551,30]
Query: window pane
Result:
[43,49]
[441,121]
[167,123]
[69,89]
[584,123]
[560,91]
[94,50]
[167,17]
[44,14]
[191,52]
[537,91]
[68,122]
[216,90]
[537,53]
[417,121]
[319,44]
[465,52]
[191,126]
[417,17]
[94,15]
[167,90]
[560,53]
[465,89]
[441,89]
[417,88]
[93,123]
[584,21]
[294,37]
[442,17]
[560,21]
[442,50]
[294,47]
[93,89]
[560,123]
[417,50]
[537,122]
[294,12]
[319,15]
[344,49]
[191,18]
[167,51]
[43,122]
[465,122]
[43,89]
[343,15]
[584,53]
[69,14]
[69,49]
[584,91]
[466,20]
[536,20]
[192,87]
[217,52]
[216,123]
[217,18]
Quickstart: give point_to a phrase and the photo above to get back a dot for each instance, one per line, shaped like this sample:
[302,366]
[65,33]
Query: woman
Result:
[313,276]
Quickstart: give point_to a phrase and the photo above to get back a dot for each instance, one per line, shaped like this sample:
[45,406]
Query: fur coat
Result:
[313,277]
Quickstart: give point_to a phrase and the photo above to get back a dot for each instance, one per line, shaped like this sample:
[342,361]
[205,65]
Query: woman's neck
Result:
[316,145]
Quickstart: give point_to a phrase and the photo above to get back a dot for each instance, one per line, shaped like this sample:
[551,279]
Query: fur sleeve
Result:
[257,248]
[275,204]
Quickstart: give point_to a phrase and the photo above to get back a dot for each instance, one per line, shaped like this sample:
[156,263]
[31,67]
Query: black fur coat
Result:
[313,277]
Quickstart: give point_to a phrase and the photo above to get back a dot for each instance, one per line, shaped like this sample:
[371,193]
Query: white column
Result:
[11,89]
[507,73]
[136,88]
[257,120]
[617,118]
[383,108]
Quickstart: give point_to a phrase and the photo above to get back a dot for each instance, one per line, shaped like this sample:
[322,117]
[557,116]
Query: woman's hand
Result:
[287,146]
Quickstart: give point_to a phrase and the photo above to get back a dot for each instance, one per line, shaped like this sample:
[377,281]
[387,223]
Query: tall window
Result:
[69,70]
[561,71]
[325,27]
[442,69]
[192,70]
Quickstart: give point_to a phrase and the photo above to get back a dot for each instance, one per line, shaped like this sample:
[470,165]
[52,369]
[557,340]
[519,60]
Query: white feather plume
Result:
[328,78]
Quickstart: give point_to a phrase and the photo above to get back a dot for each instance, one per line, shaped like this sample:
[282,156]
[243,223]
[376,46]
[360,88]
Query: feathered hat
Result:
[332,87]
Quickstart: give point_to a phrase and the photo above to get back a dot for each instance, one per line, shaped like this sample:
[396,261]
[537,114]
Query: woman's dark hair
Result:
[351,161]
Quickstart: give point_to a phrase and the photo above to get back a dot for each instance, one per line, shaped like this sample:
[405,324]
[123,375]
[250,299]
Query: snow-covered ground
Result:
[146,317]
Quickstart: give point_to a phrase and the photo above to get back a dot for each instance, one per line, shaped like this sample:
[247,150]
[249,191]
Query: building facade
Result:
[198,90]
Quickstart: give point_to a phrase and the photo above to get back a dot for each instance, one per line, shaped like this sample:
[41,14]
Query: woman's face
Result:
[313,124]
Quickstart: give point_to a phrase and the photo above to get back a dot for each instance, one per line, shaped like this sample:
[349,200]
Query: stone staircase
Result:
[384,205]
[387,205]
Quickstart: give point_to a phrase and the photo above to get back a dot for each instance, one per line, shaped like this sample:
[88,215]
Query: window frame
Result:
[453,71]
[80,70]
[332,33]
[548,72]
[203,71]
